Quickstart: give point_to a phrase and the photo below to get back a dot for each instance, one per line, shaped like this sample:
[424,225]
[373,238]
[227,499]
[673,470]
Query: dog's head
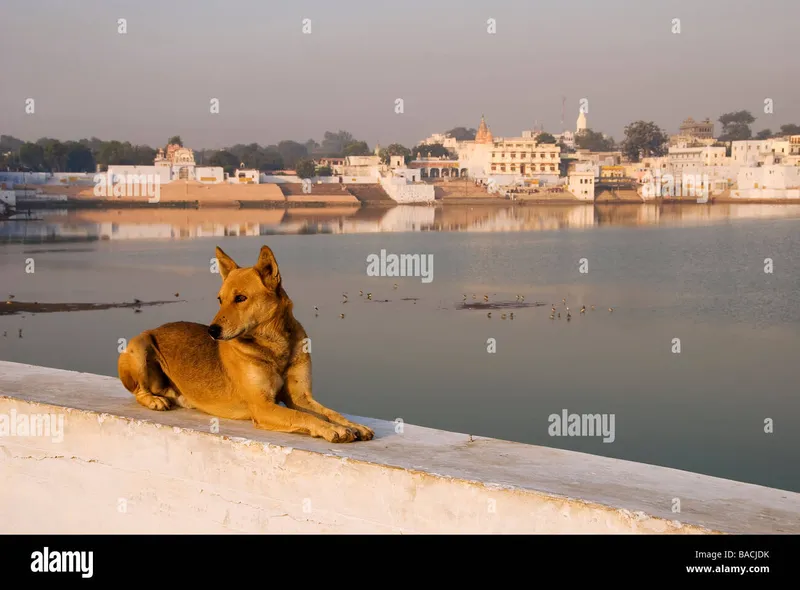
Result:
[249,297]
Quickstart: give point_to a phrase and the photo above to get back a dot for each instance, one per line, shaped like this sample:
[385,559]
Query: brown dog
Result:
[252,357]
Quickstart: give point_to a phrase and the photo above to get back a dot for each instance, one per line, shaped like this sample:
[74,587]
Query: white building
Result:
[751,152]
[771,177]
[361,166]
[693,157]
[209,174]
[121,174]
[567,138]
[581,183]
[581,124]
[177,164]
[245,176]
[446,141]
[179,160]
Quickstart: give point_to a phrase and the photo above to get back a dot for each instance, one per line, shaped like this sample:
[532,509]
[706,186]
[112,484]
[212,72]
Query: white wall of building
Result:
[769,177]
[121,173]
[249,176]
[209,174]
[581,184]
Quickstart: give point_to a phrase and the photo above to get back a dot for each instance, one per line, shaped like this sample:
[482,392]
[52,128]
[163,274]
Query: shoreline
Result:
[83,204]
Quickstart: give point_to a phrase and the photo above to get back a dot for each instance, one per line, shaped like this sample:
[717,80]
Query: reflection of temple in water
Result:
[177,224]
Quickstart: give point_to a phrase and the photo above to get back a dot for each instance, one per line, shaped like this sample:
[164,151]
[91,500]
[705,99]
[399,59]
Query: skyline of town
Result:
[569,125]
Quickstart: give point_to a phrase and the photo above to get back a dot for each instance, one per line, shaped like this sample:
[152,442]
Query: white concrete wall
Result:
[401,191]
[278,179]
[360,179]
[116,467]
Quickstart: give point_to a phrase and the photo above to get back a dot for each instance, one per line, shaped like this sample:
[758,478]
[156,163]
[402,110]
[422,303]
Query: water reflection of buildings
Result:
[177,224]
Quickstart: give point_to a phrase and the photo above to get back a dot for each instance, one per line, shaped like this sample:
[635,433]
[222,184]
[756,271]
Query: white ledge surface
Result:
[122,468]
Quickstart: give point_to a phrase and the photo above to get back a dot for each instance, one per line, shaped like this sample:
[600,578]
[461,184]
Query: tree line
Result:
[642,139]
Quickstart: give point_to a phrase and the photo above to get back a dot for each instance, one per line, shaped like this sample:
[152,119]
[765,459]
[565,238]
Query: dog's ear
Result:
[226,263]
[267,266]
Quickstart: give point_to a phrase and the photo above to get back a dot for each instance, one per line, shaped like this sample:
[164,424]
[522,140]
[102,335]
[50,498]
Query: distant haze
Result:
[274,82]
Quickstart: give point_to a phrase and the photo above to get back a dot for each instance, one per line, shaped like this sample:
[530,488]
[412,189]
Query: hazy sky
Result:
[274,82]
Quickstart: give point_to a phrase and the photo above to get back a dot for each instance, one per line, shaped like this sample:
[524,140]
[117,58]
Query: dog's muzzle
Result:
[215,331]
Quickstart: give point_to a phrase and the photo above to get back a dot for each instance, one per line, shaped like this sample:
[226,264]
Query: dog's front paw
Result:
[362,431]
[339,434]
[154,402]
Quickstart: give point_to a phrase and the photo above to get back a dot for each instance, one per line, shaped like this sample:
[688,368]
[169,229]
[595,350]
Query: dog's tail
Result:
[132,364]
[124,369]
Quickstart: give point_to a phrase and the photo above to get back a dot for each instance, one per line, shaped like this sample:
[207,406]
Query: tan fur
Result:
[256,361]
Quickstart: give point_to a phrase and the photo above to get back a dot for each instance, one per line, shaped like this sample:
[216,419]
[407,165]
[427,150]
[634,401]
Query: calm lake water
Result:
[691,273]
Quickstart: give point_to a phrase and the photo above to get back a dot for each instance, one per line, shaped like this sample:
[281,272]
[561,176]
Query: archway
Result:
[434,173]
[183,173]
[463,172]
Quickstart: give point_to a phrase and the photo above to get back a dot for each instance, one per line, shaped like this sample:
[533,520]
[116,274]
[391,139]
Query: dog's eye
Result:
[240,298]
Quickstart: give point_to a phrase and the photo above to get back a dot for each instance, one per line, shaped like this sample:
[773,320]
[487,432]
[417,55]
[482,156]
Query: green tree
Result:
[311,146]
[395,149]
[224,159]
[736,126]
[764,134]
[305,168]
[31,156]
[462,133]
[175,139]
[55,154]
[593,141]
[291,152]
[644,139]
[333,144]
[357,148]
[434,150]
[790,129]
[271,159]
[79,158]
[545,138]
[324,171]
[565,149]
[9,143]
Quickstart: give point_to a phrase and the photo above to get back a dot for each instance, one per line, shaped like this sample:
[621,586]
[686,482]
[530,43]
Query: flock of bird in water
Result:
[554,312]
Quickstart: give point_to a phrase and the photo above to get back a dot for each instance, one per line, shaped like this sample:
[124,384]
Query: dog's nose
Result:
[214,330]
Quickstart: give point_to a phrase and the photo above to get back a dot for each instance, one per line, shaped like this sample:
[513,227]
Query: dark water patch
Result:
[53,250]
[14,307]
[499,305]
